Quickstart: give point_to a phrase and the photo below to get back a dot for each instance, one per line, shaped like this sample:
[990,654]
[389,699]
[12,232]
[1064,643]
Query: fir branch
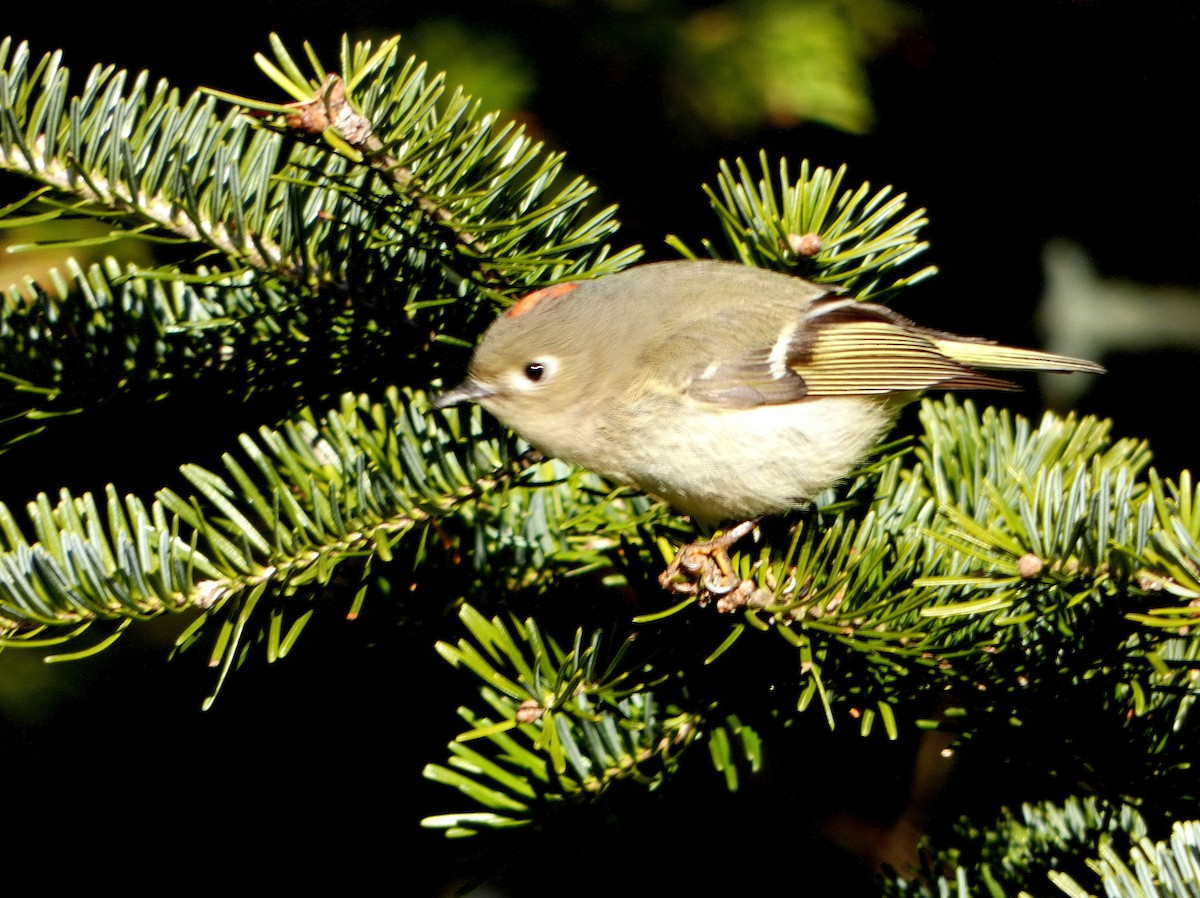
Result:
[808,227]
[134,156]
[300,502]
[568,723]
[1018,853]
[1078,841]
[321,266]
[93,334]
[466,174]
[296,210]
[1169,869]
[312,495]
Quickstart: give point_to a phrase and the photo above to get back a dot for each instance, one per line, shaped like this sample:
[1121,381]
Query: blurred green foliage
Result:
[733,67]
[749,63]
[486,64]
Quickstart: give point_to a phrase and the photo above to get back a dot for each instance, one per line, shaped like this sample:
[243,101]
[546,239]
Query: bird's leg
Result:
[706,565]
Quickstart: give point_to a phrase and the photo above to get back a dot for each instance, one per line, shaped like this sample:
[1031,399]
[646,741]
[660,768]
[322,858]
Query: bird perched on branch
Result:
[729,391]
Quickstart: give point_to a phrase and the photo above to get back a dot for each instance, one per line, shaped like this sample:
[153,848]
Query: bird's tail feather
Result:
[995,356]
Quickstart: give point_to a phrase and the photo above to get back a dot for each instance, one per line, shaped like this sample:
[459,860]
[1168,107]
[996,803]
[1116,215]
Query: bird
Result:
[729,391]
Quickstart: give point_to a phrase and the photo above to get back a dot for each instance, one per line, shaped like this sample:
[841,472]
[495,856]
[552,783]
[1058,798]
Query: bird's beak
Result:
[467,391]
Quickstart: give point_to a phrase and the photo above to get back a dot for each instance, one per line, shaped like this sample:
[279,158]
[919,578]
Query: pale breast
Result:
[729,465]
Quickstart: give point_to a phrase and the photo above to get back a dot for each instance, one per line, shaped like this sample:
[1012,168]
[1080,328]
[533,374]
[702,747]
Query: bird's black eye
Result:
[535,371]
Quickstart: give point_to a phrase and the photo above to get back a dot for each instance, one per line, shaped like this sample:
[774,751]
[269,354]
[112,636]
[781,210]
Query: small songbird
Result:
[729,391]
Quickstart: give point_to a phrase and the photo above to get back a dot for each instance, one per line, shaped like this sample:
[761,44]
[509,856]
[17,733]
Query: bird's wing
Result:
[842,348]
[866,349]
[756,378]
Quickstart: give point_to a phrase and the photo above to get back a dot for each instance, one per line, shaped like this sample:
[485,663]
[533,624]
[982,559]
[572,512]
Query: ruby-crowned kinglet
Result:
[729,391]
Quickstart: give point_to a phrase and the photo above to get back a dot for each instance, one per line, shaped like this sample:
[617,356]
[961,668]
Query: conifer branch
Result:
[378,218]
[810,227]
[570,723]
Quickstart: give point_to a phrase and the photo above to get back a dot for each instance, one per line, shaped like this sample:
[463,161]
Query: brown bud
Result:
[328,107]
[1030,566]
[807,245]
[530,710]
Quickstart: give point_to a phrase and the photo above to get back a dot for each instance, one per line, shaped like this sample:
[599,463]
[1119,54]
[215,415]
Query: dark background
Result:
[1011,123]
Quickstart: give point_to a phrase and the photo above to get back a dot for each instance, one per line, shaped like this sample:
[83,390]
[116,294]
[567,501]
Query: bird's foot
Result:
[703,569]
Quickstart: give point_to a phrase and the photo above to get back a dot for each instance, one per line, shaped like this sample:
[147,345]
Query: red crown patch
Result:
[529,300]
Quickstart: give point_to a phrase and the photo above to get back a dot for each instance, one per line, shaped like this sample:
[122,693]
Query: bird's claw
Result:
[704,569]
